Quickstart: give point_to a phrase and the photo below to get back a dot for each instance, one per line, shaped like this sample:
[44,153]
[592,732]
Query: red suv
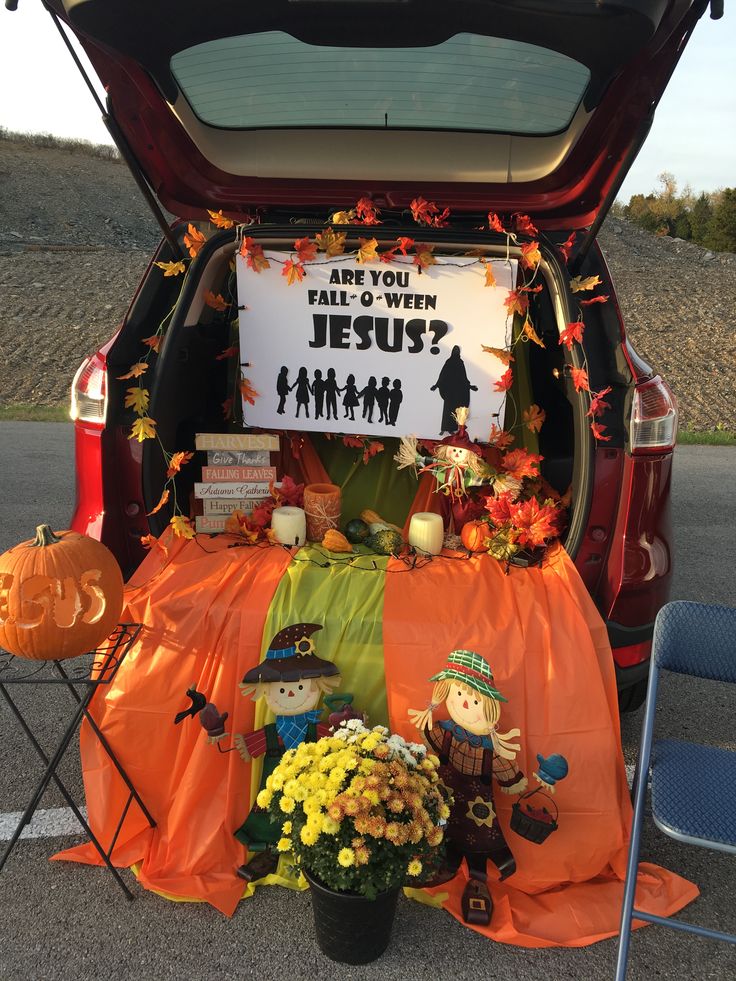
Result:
[281,113]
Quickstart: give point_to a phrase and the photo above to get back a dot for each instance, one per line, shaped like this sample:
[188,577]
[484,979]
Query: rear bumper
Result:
[628,677]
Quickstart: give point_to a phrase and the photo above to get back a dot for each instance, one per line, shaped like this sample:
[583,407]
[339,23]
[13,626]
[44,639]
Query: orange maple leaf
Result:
[136,370]
[573,332]
[500,438]
[505,382]
[368,250]
[219,220]
[371,449]
[601,298]
[182,526]
[498,352]
[598,404]
[305,249]
[248,392]
[427,213]
[500,508]
[490,278]
[367,212]
[194,240]
[423,255]
[520,464]
[516,302]
[403,243]
[524,225]
[215,300]
[294,272]
[331,243]
[580,379]
[162,500]
[533,523]
[598,431]
[229,352]
[530,255]
[494,223]
[253,255]
[177,461]
[531,333]
[149,541]
[534,418]
[154,342]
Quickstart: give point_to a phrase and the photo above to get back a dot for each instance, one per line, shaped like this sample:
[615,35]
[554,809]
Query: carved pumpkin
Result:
[474,535]
[60,595]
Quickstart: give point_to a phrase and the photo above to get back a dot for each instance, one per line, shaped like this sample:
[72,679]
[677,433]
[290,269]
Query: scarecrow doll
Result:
[458,466]
[291,679]
[472,754]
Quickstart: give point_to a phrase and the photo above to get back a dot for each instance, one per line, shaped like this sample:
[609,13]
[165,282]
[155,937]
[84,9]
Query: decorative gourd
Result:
[356,531]
[335,541]
[474,535]
[386,542]
[373,518]
[60,595]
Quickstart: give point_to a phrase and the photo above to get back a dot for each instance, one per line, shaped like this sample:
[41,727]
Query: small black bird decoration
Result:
[198,703]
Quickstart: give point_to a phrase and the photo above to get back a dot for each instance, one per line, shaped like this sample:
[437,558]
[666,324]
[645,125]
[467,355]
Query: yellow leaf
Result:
[368,250]
[216,301]
[505,356]
[171,268]
[490,278]
[148,541]
[331,243]
[136,370]
[143,428]
[137,399]
[530,255]
[343,217]
[531,333]
[423,255]
[194,240]
[534,417]
[177,461]
[162,500]
[182,526]
[578,283]
[219,220]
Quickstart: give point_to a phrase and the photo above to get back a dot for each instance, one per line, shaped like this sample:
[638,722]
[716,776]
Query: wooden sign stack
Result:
[239,471]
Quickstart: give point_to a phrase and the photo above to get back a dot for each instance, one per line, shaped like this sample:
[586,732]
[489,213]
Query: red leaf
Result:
[524,225]
[598,431]
[404,244]
[566,247]
[494,222]
[499,437]
[289,492]
[520,464]
[500,508]
[305,249]
[367,212]
[294,272]
[229,352]
[427,213]
[573,332]
[533,523]
[516,302]
[597,403]
[580,379]
[505,382]
[594,299]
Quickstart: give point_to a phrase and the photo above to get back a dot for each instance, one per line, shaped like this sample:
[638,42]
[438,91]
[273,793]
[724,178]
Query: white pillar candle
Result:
[427,532]
[289,524]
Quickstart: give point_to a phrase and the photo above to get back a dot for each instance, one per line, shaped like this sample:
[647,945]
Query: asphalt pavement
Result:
[64,921]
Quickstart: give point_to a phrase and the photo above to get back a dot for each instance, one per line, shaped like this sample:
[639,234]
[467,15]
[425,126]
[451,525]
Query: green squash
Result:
[386,542]
[357,531]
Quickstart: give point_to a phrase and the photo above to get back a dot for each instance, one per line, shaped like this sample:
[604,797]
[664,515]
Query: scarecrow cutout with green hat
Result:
[472,753]
[291,679]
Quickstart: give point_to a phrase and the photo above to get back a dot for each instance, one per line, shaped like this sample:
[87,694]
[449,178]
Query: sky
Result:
[693,136]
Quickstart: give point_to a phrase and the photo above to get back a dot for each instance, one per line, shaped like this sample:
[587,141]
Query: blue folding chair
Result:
[693,786]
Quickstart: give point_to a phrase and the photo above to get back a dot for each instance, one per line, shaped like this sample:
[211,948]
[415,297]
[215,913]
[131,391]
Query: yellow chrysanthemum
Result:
[346,857]
[444,812]
[277,780]
[330,827]
[264,798]
[309,835]
[286,828]
[287,804]
[337,776]
[414,867]
[371,796]
[311,805]
[283,845]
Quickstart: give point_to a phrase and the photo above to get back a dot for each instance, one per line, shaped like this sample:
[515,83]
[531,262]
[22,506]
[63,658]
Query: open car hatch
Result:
[533,106]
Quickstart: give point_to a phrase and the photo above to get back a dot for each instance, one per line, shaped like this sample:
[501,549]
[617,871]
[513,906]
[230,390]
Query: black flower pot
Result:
[351,929]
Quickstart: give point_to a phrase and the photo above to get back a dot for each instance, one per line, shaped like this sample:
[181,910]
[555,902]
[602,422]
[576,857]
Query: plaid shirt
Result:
[256,742]
[471,760]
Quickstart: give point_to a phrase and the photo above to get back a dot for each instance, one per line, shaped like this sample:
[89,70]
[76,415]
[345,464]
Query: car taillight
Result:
[89,391]
[653,417]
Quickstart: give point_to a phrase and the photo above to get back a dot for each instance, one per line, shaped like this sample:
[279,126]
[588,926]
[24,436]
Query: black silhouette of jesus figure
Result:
[454,388]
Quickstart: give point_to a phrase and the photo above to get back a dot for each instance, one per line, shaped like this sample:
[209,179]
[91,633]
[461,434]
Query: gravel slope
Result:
[76,236]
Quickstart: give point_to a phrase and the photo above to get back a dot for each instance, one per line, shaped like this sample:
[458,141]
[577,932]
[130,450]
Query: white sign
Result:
[373,349]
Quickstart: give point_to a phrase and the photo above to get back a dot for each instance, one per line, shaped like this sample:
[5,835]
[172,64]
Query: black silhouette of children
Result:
[332,390]
[369,398]
[454,387]
[396,397]
[382,396]
[318,389]
[351,400]
[303,391]
[282,388]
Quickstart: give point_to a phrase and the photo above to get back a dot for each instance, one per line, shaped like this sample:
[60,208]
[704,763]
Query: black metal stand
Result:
[81,677]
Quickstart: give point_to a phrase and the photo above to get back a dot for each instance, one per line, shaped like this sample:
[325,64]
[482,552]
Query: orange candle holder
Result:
[322,507]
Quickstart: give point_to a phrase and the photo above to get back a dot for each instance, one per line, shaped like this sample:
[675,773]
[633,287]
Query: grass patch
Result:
[707,437]
[23,412]
[47,141]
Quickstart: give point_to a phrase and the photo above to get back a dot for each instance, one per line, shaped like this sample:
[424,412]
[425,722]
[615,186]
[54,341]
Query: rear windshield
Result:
[469,82]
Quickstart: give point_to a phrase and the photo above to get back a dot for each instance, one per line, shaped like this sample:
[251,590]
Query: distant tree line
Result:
[709,219]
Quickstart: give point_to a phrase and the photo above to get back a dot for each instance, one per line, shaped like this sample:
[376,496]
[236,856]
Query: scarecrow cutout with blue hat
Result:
[291,679]
[472,754]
